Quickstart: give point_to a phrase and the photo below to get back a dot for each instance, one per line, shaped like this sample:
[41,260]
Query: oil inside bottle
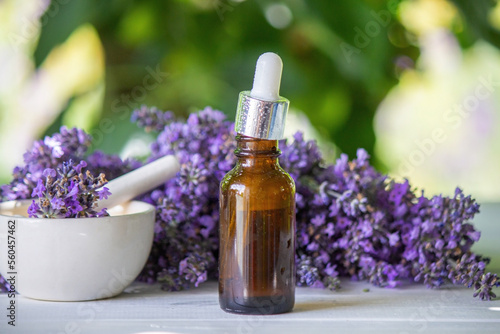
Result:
[259,264]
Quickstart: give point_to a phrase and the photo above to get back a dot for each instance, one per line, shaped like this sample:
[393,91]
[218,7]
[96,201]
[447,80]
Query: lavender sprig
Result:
[151,118]
[51,152]
[71,192]
[47,153]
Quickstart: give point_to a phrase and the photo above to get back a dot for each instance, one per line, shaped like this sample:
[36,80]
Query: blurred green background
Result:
[412,81]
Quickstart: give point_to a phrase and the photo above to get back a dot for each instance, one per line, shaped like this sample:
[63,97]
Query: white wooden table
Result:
[146,309]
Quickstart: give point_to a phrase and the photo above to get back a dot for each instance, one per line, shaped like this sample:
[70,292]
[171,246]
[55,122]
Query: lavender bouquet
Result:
[352,221]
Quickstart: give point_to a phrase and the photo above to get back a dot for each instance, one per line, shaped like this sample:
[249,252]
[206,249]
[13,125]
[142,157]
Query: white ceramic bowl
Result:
[76,259]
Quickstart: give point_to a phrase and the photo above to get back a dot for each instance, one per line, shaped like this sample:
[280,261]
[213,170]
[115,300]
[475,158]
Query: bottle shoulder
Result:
[240,178]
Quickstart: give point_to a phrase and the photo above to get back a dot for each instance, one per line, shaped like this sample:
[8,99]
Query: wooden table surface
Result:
[409,309]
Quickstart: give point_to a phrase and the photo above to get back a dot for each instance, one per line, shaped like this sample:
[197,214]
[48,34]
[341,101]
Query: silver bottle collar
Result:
[259,118]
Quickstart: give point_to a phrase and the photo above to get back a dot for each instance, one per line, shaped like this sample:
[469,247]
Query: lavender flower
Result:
[192,270]
[151,119]
[51,152]
[307,272]
[47,153]
[72,192]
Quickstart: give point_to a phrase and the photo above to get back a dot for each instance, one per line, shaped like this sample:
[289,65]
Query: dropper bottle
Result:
[257,204]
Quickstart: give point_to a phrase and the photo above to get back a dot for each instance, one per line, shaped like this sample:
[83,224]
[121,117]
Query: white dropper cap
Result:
[267,79]
[261,112]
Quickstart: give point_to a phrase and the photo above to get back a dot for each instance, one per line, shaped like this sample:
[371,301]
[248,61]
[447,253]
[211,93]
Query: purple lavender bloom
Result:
[39,190]
[393,239]
[49,172]
[57,203]
[78,168]
[151,119]
[50,152]
[33,209]
[72,194]
[104,193]
[307,273]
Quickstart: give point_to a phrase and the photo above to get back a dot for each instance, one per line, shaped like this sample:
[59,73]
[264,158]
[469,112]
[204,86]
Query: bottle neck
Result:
[257,153]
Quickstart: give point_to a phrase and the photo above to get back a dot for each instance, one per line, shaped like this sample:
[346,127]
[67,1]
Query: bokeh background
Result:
[415,82]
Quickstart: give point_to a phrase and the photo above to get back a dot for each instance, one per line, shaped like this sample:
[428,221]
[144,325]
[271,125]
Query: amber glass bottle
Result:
[257,204]
[257,232]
